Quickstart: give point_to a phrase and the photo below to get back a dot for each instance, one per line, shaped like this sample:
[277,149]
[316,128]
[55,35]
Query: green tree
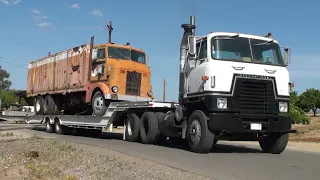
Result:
[310,100]
[297,115]
[8,97]
[5,83]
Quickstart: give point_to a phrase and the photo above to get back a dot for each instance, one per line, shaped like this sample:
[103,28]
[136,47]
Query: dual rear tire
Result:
[46,105]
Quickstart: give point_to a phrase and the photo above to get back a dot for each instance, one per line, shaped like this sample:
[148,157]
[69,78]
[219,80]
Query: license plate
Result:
[255,126]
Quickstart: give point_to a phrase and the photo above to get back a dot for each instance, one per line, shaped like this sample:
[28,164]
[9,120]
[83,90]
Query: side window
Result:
[101,53]
[203,50]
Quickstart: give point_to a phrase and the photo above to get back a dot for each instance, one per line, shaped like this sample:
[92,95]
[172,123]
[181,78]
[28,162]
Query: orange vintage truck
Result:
[86,78]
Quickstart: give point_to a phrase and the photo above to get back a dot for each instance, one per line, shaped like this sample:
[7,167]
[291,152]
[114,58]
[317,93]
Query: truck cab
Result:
[119,73]
[236,86]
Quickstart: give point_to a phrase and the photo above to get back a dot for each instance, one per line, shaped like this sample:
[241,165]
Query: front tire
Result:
[99,104]
[274,143]
[200,139]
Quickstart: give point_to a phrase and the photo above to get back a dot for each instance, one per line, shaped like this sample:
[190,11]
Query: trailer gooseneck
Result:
[232,86]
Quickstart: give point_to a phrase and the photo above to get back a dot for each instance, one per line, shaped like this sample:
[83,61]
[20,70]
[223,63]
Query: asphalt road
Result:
[226,161]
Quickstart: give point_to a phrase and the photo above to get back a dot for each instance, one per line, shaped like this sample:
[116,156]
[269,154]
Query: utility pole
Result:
[164,89]
[110,29]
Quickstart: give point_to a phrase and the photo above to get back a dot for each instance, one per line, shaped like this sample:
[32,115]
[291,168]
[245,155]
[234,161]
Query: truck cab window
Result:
[118,53]
[101,53]
[202,49]
[137,56]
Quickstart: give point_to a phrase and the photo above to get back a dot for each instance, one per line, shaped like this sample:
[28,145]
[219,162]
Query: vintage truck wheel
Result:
[200,139]
[38,104]
[99,104]
[48,105]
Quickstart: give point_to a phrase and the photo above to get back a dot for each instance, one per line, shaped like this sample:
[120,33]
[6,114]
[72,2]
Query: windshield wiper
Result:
[267,42]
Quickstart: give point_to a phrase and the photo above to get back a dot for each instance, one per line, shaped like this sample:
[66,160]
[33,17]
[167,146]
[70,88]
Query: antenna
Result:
[110,29]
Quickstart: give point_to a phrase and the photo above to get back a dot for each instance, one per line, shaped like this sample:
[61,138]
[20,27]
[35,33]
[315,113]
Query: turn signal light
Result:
[204,78]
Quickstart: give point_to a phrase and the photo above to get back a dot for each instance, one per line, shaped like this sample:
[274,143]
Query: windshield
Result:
[126,54]
[137,56]
[118,53]
[246,50]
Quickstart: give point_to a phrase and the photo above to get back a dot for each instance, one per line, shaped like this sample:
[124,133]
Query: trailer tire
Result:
[199,137]
[38,104]
[132,127]
[149,128]
[160,137]
[48,105]
[98,104]
[275,143]
[49,127]
[60,129]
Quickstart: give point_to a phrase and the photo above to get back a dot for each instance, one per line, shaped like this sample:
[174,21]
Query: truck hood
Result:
[223,72]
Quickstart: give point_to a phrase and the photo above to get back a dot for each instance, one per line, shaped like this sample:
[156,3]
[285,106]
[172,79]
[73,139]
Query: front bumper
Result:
[241,123]
[126,97]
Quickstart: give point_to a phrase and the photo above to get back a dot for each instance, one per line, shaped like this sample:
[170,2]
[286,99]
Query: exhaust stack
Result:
[189,29]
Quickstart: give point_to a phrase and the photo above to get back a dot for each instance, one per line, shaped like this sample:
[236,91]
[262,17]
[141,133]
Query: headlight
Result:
[114,89]
[222,103]
[150,93]
[283,106]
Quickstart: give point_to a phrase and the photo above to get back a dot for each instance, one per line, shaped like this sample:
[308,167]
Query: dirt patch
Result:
[307,133]
[40,158]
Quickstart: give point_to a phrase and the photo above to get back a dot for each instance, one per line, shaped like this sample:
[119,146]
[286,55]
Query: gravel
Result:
[39,158]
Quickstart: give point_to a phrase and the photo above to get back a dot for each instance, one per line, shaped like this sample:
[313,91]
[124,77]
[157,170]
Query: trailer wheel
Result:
[60,129]
[48,105]
[49,127]
[160,137]
[275,143]
[200,139]
[149,128]
[38,104]
[98,103]
[132,127]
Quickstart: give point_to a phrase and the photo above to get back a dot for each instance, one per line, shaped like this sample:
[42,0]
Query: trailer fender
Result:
[91,88]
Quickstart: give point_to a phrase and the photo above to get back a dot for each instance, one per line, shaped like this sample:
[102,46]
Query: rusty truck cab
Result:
[120,73]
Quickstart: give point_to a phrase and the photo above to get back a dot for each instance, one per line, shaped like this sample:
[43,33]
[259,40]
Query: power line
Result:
[19,66]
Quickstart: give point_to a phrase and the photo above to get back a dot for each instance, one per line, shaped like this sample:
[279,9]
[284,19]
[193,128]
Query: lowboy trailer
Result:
[232,86]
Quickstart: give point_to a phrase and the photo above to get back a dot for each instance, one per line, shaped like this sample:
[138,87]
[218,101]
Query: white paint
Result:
[223,71]
[58,56]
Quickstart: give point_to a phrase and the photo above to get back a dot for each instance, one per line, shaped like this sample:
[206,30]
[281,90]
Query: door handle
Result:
[238,68]
[270,71]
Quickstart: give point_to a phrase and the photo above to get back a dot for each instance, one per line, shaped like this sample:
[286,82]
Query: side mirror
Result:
[94,53]
[147,61]
[192,46]
[286,56]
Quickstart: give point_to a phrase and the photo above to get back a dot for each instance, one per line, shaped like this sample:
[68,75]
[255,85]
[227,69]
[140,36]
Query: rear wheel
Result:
[132,127]
[274,143]
[48,105]
[49,127]
[38,104]
[99,104]
[160,137]
[200,139]
[149,128]
[60,129]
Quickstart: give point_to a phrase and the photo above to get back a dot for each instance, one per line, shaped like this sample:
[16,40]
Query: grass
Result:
[307,133]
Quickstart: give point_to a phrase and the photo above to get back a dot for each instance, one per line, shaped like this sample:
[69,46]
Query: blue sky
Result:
[31,29]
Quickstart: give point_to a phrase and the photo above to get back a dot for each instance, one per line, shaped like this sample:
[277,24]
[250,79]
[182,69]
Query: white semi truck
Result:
[232,86]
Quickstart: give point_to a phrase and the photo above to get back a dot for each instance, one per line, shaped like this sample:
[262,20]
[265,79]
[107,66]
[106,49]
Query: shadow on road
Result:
[174,144]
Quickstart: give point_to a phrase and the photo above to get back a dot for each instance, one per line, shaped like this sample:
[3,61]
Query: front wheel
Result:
[200,139]
[274,143]
[99,104]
